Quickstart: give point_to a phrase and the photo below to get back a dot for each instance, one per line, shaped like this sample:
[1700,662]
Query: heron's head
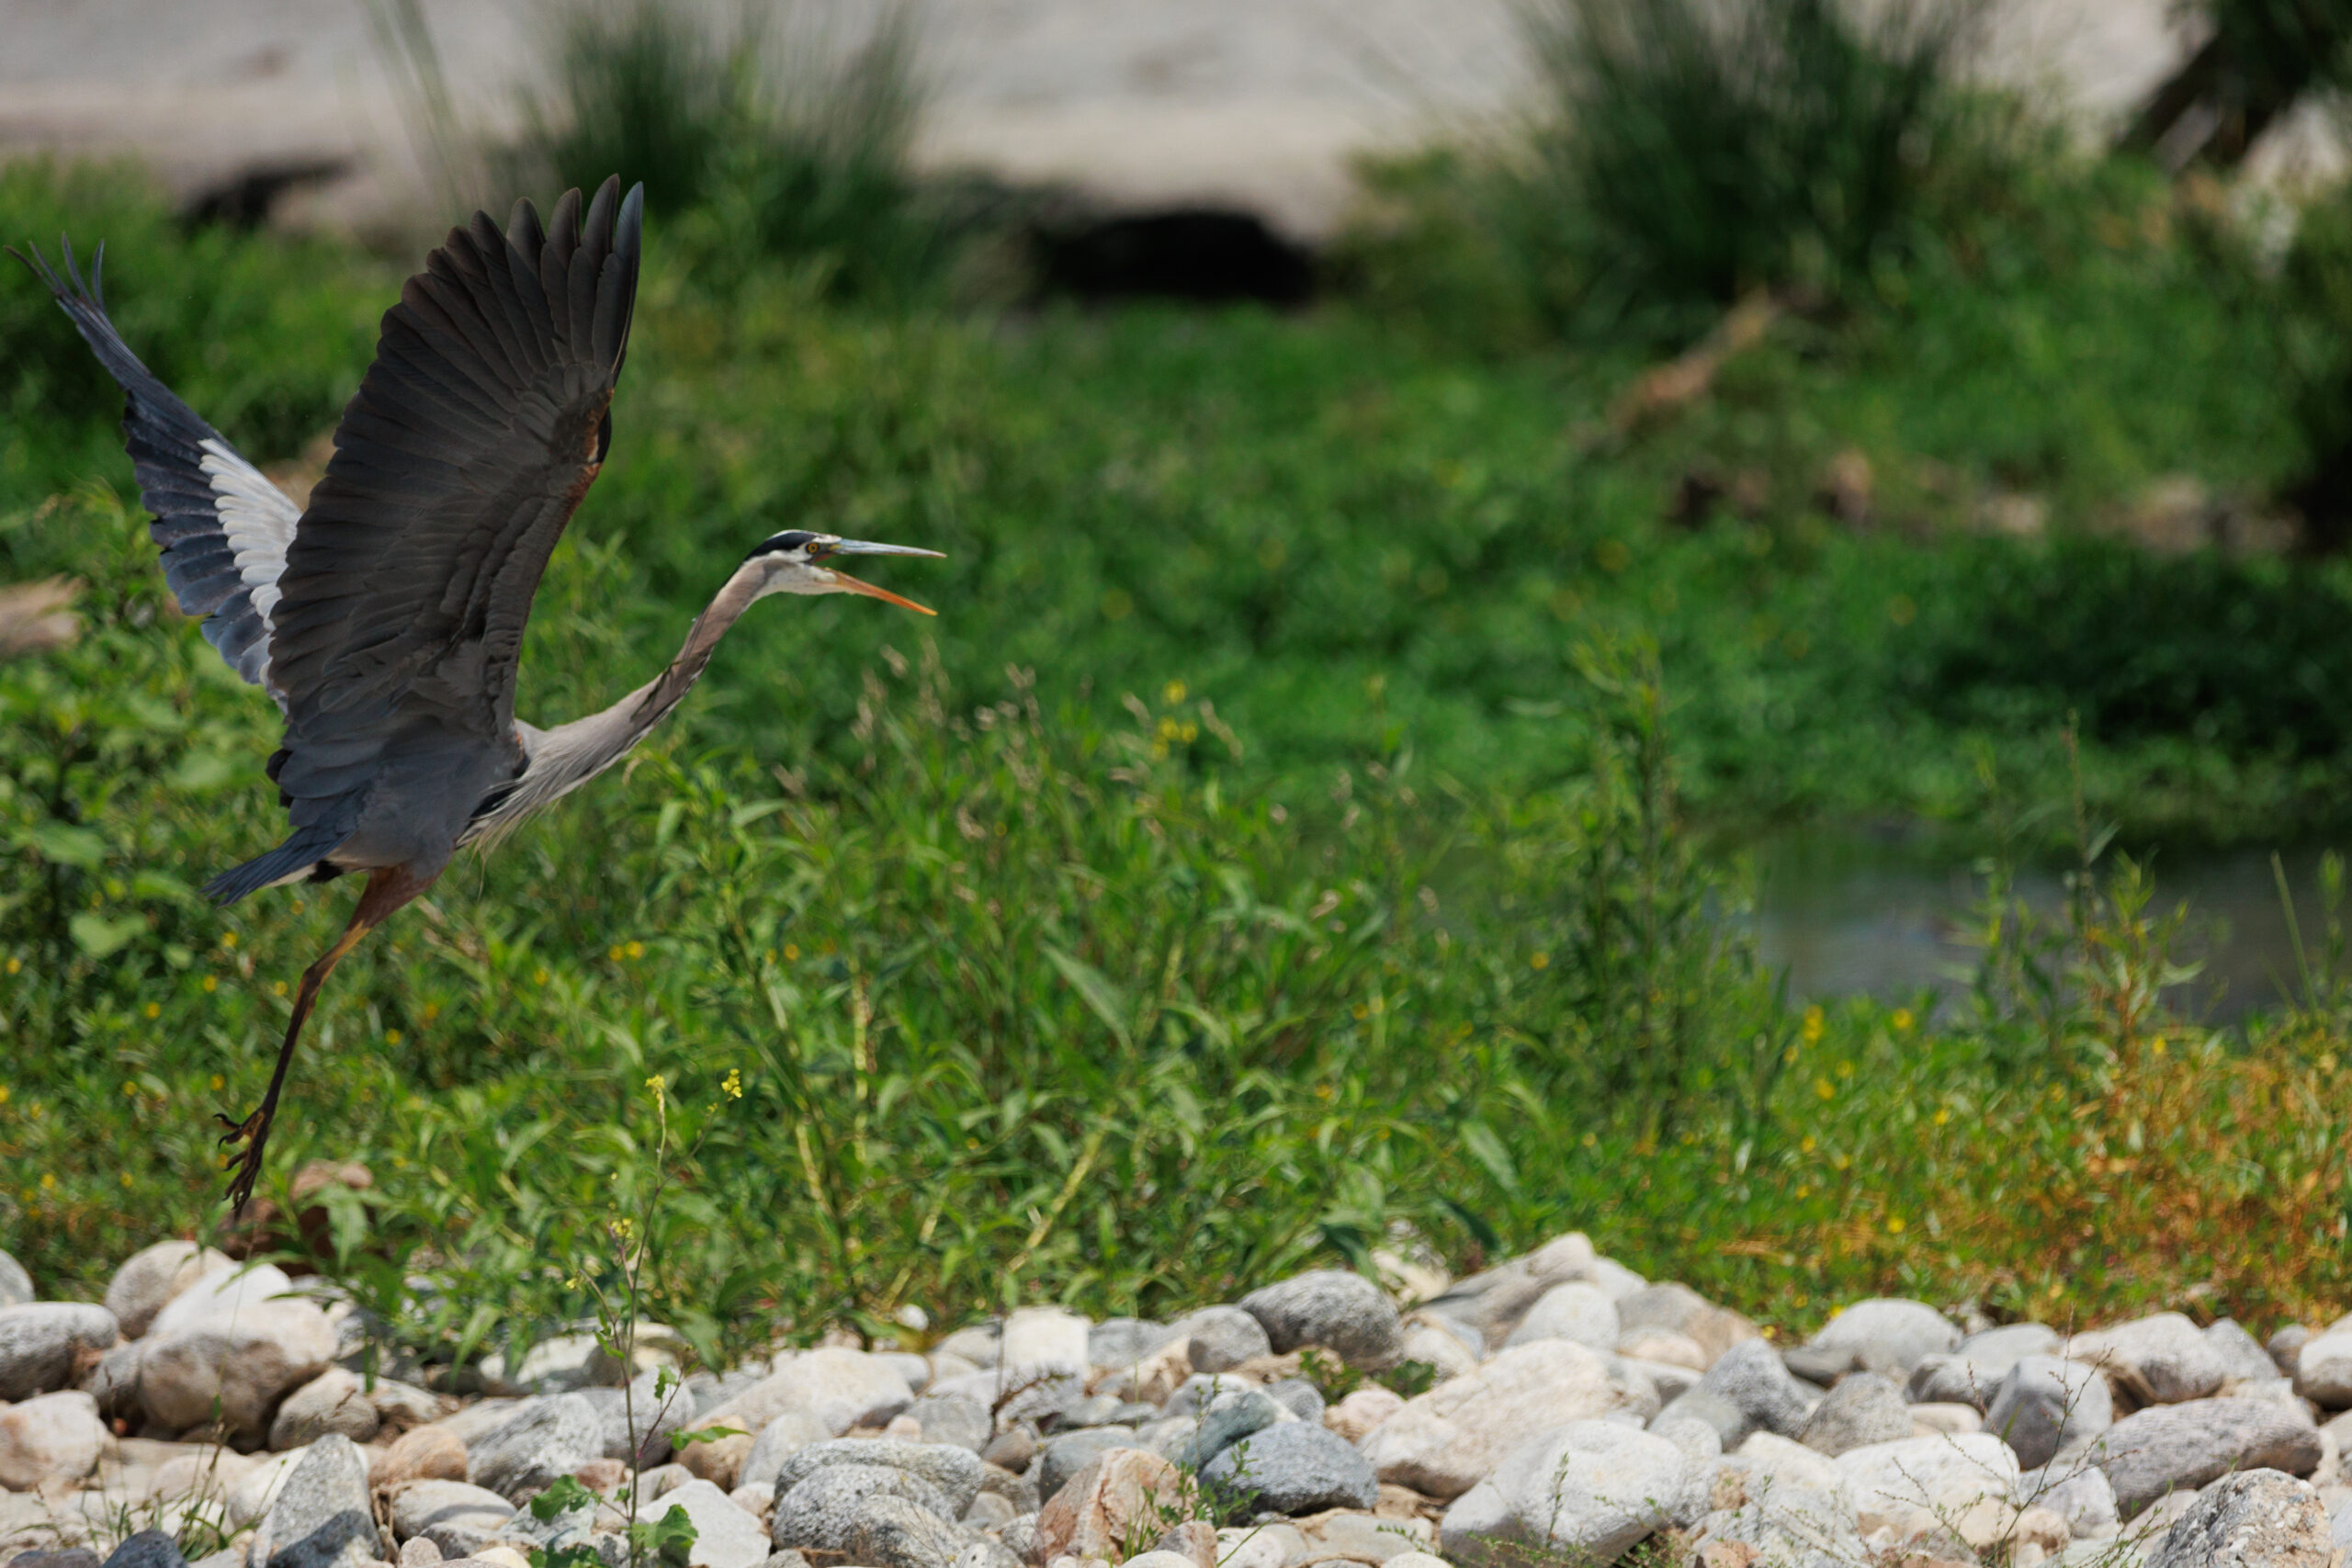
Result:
[797,562]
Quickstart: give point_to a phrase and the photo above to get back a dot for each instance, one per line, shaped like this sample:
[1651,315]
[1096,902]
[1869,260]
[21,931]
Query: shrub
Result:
[783,143]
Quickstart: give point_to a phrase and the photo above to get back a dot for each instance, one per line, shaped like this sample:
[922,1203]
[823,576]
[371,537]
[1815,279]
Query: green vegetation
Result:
[1286,831]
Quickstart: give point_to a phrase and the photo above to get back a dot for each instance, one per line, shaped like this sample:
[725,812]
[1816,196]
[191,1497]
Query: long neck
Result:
[564,758]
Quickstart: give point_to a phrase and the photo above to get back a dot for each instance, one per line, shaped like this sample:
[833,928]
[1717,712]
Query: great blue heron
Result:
[387,617]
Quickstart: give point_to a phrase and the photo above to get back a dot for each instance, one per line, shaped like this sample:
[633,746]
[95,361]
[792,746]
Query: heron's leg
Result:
[387,890]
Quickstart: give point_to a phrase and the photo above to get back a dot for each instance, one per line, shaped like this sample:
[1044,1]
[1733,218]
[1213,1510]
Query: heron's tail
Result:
[296,857]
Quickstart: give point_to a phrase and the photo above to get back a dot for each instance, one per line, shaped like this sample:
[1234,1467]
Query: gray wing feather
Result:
[224,529]
[470,443]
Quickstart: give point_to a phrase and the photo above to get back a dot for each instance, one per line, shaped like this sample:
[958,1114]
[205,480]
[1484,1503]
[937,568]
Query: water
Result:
[1877,915]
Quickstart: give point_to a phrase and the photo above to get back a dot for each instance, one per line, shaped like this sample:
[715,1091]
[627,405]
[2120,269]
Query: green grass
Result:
[1281,834]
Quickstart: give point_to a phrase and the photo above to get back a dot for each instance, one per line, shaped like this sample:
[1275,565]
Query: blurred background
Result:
[1744,572]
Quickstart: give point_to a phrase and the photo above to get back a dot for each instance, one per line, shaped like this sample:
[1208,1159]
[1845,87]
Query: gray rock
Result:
[1017,1394]
[2170,1447]
[521,1458]
[2078,1492]
[151,1277]
[1123,1341]
[710,1392]
[64,1557]
[1229,1419]
[1888,1334]
[891,1532]
[1751,1378]
[1223,1337]
[1017,1489]
[2339,1527]
[820,1512]
[1013,1448]
[1788,1527]
[990,1510]
[39,1339]
[1864,1408]
[147,1549]
[1293,1467]
[1575,1311]
[1730,1423]
[1298,1397]
[334,1400]
[1198,1390]
[15,1285]
[2286,1347]
[952,1419]
[2323,1367]
[2257,1519]
[2242,1358]
[1094,1410]
[1955,1379]
[2164,1360]
[458,1517]
[1167,1438]
[1345,1314]
[323,1516]
[1065,1456]
[650,1416]
[954,1472]
[1020,1536]
[2047,1404]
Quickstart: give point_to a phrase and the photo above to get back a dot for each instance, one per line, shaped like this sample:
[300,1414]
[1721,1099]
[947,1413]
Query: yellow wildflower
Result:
[732,1085]
[211,983]
[1895,1225]
[1822,1087]
[1815,1022]
[1539,961]
[391,1037]
[154,1010]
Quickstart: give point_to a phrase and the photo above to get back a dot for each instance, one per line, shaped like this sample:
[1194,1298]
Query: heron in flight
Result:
[387,617]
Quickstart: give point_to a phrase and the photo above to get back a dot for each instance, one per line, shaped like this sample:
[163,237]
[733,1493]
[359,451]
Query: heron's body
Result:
[386,618]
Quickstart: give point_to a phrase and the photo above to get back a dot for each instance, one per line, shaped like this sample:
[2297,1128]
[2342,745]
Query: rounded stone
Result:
[41,1340]
[1345,1314]
[1293,1467]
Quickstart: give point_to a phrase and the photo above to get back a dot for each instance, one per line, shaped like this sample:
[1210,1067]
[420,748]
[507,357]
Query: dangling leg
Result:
[387,890]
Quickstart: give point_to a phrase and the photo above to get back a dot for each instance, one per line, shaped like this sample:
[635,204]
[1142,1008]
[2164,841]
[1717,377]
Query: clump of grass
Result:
[1681,155]
[783,142]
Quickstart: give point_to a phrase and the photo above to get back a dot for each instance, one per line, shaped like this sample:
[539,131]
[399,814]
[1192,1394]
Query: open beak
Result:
[862,547]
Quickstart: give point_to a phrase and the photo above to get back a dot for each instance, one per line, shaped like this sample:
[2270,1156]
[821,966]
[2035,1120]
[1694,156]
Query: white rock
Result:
[1043,1336]
[1359,1413]
[233,1288]
[2324,1369]
[1775,1464]
[1411,1560]
[1445,1351]
[1588,1487]
[1938,1477]
[1888,1334]
[1444,1441]
[2162,1360]
[841,1388]
[1363,1538]
[1576,1312]
[725,1535]
[1261,1546]
[57,1437]
[1661,1345]
[151,1277]
[1614,1279]
[778,1441]
[246,1357]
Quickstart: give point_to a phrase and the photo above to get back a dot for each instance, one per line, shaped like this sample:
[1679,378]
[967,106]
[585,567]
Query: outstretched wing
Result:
[224,529]
[471,441]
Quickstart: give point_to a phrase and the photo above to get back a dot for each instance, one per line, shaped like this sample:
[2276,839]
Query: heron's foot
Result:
[253,1133]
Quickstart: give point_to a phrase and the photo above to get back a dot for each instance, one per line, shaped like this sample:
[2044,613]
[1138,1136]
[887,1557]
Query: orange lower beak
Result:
[855,586]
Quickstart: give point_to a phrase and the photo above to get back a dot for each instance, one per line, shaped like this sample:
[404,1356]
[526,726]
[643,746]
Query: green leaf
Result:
[1488,1151]
[82,848]
[97,936]
[1090,984]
